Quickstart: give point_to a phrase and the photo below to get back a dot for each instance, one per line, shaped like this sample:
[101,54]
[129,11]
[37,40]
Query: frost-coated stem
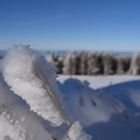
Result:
[53,97]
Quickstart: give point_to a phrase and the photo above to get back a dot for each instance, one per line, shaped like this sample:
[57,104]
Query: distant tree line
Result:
[84,63]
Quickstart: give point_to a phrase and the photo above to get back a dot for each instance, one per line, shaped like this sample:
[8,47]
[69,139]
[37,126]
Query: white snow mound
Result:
[30,76]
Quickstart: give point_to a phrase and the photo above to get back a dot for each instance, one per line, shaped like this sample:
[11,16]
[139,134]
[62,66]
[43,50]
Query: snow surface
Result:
[107,111]
[97,82]
[92,107]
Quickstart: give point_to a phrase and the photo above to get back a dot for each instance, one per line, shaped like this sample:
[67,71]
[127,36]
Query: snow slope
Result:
[124,88]
[80,98]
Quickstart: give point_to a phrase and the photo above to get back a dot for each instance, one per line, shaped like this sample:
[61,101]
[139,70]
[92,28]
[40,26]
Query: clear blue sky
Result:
[71,24]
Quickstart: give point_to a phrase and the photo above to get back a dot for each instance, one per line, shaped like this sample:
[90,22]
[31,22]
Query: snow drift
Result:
[31,77]
[92,106]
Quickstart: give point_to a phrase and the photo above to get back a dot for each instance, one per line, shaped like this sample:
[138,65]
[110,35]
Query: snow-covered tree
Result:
[109,63]
[70,63]
[123,64]
[135,64]
[57,62]
[82,63]
[95,65]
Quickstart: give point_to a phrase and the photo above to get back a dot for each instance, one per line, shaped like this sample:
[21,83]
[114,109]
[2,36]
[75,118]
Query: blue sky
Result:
[71,24]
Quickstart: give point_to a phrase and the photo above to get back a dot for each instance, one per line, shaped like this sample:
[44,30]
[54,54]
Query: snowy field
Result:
[97,82]
[35,105]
